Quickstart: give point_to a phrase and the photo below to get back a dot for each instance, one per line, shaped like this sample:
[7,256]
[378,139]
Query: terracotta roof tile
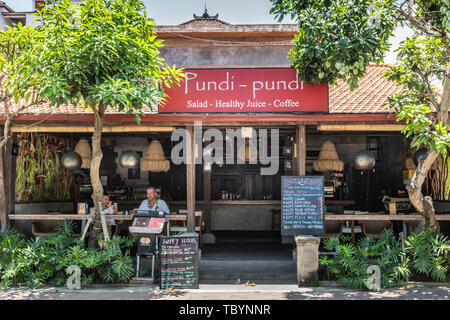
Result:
[370,96]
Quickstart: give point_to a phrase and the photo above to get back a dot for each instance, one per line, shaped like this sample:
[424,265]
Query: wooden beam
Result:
[84,128]
[301,150]
[190,178]
[5,183]
[360,127]
[211,119]
[207,200]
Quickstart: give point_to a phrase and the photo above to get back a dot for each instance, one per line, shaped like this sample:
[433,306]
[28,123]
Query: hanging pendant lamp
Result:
[154,159]
[328,159]
[71,161]
[84,150]
[129,159]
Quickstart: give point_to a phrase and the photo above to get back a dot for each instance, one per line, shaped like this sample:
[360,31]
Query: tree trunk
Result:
[423,205]
[97,155]
[6,133]
[3,197]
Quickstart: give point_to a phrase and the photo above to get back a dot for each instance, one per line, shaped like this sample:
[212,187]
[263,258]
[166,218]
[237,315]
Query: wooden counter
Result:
[384,217]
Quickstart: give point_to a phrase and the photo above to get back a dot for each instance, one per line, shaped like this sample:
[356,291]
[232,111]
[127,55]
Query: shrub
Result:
[429,252]
[33,263]
[350,263]
[426,253]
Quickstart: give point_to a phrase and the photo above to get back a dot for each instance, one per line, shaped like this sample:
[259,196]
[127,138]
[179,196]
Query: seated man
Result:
[153,203]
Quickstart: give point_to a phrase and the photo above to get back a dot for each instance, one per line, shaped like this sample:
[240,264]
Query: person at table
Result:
[152,203]
[107,205]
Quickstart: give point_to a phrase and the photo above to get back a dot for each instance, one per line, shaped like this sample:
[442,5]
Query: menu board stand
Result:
[302,204]
[179,261]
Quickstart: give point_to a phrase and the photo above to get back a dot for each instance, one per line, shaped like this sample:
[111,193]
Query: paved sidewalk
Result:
[229,292]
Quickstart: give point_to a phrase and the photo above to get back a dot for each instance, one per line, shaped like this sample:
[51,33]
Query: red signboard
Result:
[245,90]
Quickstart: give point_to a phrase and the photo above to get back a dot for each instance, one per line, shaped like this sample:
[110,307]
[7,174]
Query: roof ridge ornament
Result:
[206,15]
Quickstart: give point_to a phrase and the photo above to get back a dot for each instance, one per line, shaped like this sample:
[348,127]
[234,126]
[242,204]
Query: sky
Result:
[173,12]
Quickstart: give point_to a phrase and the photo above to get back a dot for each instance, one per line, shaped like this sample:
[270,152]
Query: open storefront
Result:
[238,89]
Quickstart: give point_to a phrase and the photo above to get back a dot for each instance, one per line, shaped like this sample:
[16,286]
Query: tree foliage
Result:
[16,87]
[337,39]
[103,52]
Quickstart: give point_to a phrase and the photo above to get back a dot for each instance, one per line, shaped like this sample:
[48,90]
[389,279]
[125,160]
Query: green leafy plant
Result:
[425,252]
[36,263]
[39,174]
[429,252]
[349,264]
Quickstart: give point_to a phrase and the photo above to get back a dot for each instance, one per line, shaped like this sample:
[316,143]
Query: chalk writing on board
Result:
[179,262]
[302,205]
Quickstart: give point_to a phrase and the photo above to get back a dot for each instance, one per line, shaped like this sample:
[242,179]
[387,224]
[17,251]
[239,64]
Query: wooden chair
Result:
[198,225]
[373,228]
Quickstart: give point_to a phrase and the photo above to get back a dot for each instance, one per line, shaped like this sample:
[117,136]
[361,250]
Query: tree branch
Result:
[421,26]
[426,81]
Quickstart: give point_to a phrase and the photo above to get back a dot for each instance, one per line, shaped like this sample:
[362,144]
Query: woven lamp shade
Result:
[328,159]
[84,150]
[154,159]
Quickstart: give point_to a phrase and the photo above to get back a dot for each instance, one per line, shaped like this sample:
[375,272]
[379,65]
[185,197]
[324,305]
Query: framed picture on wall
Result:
[134,173]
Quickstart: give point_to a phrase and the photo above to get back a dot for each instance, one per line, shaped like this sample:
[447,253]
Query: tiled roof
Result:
[370,97]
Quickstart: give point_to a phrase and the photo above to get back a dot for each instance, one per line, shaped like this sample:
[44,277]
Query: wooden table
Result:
[119,217]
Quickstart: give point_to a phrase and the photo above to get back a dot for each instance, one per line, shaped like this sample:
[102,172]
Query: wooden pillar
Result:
[190,178]
[7,183]
[301,150]
[207,200]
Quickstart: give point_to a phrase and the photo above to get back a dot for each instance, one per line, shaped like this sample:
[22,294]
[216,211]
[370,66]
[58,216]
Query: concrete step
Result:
[244,277]
[250,269]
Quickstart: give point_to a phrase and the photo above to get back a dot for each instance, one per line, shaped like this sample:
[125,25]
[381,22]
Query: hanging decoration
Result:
[328,159]
[154,159]
[84,150]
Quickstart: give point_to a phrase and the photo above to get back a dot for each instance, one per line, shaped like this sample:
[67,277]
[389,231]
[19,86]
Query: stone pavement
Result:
[230,292]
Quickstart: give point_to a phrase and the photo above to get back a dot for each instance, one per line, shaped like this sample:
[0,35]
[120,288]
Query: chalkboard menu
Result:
[179,262]
[302,205]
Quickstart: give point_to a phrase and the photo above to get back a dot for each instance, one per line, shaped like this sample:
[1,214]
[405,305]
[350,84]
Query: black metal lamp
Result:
[364,160]
[129,159]
[71,161]
[15,149]
[420,154]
